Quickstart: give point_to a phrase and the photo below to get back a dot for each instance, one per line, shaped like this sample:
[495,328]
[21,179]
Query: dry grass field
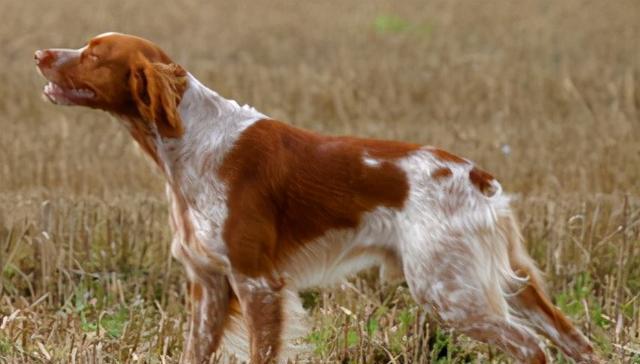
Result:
[544,94]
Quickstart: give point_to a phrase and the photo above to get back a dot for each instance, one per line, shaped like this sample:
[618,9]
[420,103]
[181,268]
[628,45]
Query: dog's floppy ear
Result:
[156,89]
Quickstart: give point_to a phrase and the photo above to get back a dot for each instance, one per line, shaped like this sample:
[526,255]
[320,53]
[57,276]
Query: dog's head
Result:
[119,73]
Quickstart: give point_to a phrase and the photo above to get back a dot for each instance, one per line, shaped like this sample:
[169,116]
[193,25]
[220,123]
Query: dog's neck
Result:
[211,125]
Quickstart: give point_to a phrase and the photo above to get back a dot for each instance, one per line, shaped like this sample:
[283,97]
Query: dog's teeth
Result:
[82,92]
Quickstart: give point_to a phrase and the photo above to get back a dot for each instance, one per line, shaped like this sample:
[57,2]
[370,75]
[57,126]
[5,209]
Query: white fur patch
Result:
[370,161]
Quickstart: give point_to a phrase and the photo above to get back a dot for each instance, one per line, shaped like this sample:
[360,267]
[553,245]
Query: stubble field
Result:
[544,94]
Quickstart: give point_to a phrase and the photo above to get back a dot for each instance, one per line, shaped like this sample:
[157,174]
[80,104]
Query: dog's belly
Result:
[341,253]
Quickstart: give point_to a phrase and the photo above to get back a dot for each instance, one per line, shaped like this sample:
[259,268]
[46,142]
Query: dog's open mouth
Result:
[60,95]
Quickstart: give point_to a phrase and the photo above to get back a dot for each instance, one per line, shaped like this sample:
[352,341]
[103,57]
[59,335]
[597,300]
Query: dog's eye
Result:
[86,56]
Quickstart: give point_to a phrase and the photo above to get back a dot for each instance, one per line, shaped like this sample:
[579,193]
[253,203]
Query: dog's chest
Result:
[204,198]
[198,199]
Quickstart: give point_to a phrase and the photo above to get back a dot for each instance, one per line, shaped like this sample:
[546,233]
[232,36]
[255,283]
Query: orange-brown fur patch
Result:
[289,186]
[265,319]
[157,89]
[441,173]
[196,291]
[482,180]
[445,156]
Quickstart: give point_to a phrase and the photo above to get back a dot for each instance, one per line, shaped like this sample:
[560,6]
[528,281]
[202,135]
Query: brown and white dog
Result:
[261,209]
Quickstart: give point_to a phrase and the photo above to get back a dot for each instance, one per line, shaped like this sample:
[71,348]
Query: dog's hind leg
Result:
[531,304]
[463,290]
[528,301]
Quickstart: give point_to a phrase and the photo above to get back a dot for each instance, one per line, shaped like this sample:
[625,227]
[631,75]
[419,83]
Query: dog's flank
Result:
[261,209]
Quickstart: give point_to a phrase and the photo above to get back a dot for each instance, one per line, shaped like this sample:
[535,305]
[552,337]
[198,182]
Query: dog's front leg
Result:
[209,310]
[261,303]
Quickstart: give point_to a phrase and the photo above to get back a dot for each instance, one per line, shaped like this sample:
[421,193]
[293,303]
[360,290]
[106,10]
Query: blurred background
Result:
[544,94]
